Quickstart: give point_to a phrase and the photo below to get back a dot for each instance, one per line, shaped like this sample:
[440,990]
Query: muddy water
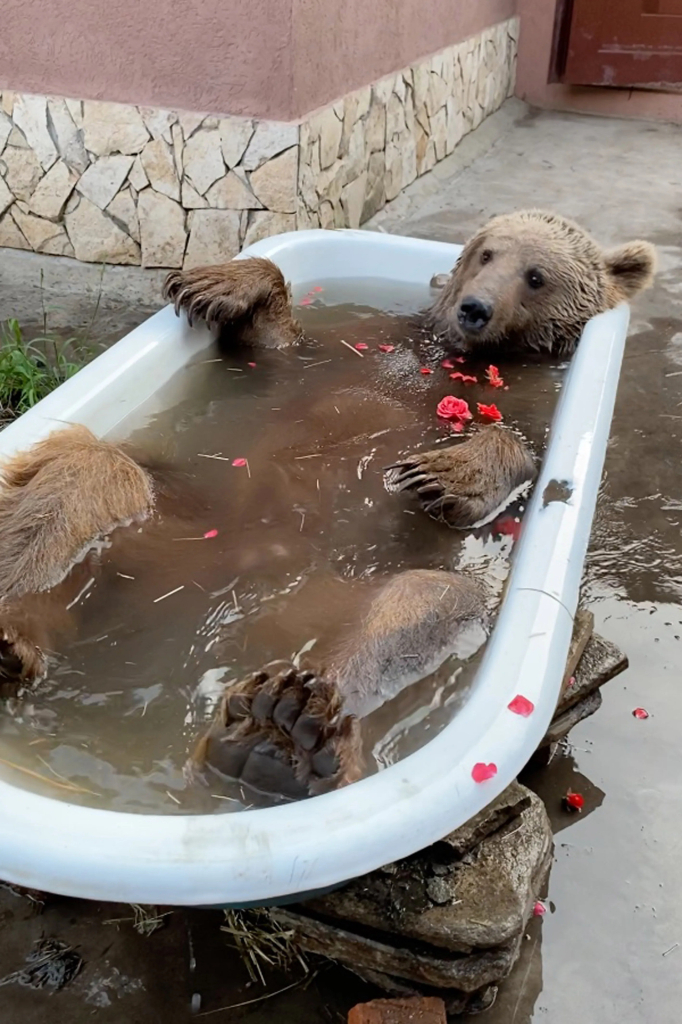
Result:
[301,531]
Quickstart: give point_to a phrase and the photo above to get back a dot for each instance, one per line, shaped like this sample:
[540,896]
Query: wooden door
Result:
[620,43]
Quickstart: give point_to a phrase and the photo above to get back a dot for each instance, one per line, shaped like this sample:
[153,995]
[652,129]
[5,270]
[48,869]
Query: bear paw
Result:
[250,297]
[467,484]
[21,661]
[283,733]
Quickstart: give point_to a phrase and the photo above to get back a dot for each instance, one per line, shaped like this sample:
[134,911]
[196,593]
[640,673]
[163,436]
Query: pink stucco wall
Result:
[205,55]
[340,45]
[267,58]
[535,43]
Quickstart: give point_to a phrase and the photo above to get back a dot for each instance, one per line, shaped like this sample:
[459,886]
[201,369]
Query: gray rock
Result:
[10,235]
[231,193]
[5,130]
[159,122]
[491,890]
[235,135]
[30,115]
[191,199]
[159,167]
[104,178]
[203,159]
[353,200]
[113,128]
[274,183]
[162,230]
[49,198]
[6,197]
[38,232]
[269,139]
[267,223]
[123,211]
[68,136]
[23,171]
[95,237]
[375,189]
[435,968]
[214,237]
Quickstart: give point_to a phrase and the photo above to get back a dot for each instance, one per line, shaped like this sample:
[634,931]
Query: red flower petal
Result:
[460,359]
[521,706]
[457,426]
[210,534]
[447,364]
[464,377]
[361,346]
[490,413]
[305,302]
[317,288]
[252,364]
[574,801]
[483,772]
[239,463]
[386,348]
[451,408]
[640,713]
[507,526]
[493,377]
[539,910]
[425,370]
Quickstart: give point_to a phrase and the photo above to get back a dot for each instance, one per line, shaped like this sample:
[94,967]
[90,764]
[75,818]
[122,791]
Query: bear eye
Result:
[534,279]
[486,256]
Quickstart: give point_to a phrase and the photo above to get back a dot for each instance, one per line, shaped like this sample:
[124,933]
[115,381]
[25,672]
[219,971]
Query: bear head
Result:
[532,280]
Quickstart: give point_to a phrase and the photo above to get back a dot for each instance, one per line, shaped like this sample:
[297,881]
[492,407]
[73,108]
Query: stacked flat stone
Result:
[450,921]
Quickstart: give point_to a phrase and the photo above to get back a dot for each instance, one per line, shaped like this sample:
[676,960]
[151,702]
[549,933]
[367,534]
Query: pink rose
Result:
[451,408]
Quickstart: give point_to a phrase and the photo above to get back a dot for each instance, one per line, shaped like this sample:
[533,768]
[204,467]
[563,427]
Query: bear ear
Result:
[631,268]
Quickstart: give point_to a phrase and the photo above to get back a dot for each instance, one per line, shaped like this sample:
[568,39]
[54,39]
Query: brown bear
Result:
[467,484]
[293,732]
[249,299]
[526,280]
[532,280]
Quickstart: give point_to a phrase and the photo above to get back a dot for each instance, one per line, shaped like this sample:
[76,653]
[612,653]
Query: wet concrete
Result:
[616,885]
[87,301]
[606,950]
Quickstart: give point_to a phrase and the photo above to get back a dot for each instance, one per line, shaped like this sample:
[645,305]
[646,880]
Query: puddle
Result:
[556,490]
[281,529]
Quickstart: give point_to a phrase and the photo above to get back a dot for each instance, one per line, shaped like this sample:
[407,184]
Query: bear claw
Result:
[465,484]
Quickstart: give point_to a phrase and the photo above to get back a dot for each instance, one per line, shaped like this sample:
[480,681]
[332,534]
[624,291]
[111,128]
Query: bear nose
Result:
[474,314]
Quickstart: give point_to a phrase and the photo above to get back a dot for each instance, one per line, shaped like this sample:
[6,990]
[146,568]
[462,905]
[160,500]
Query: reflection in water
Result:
[300,530]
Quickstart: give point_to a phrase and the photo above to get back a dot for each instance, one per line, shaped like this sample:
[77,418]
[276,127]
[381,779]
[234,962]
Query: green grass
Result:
[30,370]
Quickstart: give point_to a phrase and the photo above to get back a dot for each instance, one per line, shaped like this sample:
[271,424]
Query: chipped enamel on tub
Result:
[274,854]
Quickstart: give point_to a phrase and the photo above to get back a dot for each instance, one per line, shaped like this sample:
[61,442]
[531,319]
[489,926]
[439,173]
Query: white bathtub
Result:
[263,855]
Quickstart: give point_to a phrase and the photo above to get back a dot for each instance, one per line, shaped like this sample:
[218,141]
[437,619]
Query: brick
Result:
[399,1011]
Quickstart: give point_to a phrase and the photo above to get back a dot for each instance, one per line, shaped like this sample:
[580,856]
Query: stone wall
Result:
[104,182]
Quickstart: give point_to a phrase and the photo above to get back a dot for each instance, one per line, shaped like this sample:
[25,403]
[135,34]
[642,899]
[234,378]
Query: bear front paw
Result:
[466,484]
[249,296]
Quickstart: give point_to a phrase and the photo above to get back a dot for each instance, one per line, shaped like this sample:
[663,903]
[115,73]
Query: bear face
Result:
[532,280]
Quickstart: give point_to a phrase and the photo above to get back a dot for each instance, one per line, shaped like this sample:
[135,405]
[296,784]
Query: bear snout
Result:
[473,314]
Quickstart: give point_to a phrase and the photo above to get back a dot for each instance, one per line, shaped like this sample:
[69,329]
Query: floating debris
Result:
[483,772]
[574,801]
[521,706]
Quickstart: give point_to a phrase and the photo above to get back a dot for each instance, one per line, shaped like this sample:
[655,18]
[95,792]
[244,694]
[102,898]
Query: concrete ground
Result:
[608,949]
